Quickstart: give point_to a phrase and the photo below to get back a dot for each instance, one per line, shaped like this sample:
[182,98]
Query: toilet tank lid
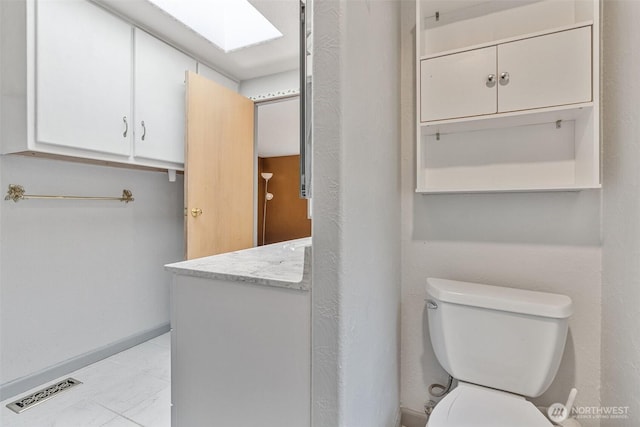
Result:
[500,298]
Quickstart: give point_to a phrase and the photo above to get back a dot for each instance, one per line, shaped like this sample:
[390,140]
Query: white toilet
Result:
[501,344]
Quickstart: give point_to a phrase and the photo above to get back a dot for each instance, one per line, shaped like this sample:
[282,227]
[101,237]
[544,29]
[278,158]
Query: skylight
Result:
[229,24]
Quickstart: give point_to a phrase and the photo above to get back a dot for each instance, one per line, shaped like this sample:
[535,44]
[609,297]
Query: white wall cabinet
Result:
[456,85]
[508,95]
[159,99]
[543,71]
[78,82]
[83,78]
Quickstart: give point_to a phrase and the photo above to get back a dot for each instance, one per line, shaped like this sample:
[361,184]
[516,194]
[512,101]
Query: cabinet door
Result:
[213,75]
[545,71]
[83,77]
[159,99]
[457,85]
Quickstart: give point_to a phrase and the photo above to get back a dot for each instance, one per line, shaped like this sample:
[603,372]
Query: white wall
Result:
[540,241]
[621,225]
[278,128]
[79,275]
[355,294]
[272,85]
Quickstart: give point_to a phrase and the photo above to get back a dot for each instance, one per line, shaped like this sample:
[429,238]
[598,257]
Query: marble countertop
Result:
[285,265]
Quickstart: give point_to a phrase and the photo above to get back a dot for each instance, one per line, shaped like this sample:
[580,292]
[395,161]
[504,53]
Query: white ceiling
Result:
[279,128]
[260,60]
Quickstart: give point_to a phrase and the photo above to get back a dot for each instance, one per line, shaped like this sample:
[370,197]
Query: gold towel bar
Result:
[16,192]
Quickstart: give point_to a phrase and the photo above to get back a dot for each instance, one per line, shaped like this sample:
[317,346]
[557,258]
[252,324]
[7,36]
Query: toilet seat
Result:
[469,405]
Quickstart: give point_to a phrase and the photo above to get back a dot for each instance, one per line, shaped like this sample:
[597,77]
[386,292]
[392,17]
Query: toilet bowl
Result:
[501,344]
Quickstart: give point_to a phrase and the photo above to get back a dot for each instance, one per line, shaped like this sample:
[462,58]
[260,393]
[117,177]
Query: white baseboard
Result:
[20,385]
[398,422]
[411,418]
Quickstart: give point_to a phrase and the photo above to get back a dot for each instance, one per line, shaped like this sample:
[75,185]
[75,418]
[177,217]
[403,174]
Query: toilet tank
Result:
[503,338]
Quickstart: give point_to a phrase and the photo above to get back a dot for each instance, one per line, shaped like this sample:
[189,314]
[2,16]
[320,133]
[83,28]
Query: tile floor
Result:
[129,389]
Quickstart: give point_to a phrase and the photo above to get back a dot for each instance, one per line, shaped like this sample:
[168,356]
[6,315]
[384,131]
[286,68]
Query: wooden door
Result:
[456,85]
[83,77]
[159,99]
[545,71]
[219,169]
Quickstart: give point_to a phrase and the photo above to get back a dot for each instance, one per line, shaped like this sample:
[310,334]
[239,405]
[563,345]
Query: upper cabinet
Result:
[545,71]
[80,82]
[508,95]
[458,84]
[160,72]
[83,78]
[215,76]
[549,70]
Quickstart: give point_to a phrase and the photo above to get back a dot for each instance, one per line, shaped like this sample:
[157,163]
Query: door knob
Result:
[196,212]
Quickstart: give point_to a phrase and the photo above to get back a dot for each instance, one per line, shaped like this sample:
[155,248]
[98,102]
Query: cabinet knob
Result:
[504,78]
[126,127]
[144,130]
[491,80]
[196,212]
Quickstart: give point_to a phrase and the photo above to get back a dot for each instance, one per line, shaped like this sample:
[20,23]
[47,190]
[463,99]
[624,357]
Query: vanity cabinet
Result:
[240,338]
[508,96]
[159,99]
[79,82]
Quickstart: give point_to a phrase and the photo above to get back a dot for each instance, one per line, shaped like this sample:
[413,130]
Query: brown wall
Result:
[286,212]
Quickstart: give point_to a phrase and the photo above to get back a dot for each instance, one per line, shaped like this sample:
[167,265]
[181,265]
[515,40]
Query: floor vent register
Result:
[43,395]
